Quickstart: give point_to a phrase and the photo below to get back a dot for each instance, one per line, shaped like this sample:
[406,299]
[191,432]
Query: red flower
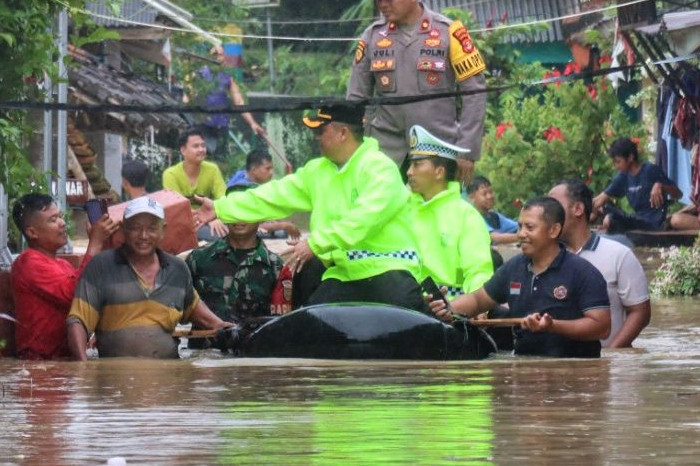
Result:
[592,91]
[553,133]
[502,128]
[556,74]
[571,68]
[552,75]
[635,141]
[604,59]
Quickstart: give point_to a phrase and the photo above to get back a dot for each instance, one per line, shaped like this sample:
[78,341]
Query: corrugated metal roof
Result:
[132,10]
[518,11]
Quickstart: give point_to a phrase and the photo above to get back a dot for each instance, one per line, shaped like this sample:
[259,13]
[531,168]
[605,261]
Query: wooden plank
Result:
[668,238]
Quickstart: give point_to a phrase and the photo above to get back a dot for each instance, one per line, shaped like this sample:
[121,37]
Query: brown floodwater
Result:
[635,406]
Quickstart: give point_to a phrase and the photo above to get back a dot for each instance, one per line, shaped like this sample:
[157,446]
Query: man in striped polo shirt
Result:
[135,295]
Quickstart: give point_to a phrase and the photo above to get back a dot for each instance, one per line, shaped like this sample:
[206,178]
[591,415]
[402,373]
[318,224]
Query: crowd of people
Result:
[387,211]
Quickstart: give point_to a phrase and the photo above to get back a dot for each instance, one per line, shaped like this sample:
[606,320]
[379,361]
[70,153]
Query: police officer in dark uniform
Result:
[415,51]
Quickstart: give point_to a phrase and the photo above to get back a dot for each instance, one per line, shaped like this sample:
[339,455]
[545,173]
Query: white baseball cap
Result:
[144,205]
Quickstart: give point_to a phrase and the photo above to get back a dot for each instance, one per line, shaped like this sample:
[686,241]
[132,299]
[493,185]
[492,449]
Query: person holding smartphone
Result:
[42,283]
[453,242]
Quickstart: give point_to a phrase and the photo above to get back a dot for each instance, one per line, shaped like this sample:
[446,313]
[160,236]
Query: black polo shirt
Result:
[568,288]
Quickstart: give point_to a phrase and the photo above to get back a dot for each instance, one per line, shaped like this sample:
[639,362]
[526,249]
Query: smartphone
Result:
[95,209]
[430,287]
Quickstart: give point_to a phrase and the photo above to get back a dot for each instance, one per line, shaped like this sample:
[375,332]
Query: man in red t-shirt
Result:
[42,284]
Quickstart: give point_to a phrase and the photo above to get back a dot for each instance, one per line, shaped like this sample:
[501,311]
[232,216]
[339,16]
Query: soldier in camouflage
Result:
[235,275]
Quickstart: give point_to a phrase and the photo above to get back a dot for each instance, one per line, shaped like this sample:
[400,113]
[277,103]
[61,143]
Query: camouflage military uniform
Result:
[235,284]
[438,56]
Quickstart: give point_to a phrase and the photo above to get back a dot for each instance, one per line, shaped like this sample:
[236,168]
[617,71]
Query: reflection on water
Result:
[630,407]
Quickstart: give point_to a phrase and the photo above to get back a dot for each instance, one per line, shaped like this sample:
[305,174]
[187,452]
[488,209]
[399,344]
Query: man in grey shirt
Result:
[630,307]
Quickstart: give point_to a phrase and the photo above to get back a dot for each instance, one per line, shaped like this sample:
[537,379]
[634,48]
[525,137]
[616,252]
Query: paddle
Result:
[505,322]
[195,333]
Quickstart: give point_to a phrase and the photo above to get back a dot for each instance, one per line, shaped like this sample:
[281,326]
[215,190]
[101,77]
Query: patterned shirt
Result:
[235,283]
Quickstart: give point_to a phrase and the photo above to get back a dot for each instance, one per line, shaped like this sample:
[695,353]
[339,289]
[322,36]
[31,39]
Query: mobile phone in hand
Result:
[95,209]
[430,287]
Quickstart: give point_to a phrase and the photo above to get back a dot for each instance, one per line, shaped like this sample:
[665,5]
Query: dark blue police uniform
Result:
[568,288]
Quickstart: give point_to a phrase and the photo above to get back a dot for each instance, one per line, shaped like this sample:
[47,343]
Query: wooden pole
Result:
[195,333]
[506,322]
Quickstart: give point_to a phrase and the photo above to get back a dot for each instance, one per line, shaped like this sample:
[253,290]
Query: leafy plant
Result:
[679,274]
[28,56]
[560,131]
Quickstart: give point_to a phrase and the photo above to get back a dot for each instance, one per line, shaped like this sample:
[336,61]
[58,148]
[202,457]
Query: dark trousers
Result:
[621,221]
[396,288]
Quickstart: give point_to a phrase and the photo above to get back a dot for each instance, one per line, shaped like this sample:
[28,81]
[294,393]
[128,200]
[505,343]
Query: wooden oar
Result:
[195,333]
[506,322]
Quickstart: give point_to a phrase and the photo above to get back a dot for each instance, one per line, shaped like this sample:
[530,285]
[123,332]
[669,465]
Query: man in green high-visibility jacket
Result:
[360,215]
[453,242]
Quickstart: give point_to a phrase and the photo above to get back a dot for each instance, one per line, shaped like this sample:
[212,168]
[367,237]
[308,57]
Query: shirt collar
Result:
[424,25]
[556,263]
[260,254]
[121,258]
[452,190]
[592,242]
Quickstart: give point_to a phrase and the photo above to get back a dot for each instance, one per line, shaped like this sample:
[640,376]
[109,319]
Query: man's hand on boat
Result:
[439,306]
[301,254]
[204,214]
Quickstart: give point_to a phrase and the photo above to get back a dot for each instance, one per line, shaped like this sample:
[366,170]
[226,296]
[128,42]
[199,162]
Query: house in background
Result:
[104,73]
[549,47]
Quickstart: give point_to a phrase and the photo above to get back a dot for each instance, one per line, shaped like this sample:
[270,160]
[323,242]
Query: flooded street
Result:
[636,406]
[639,406]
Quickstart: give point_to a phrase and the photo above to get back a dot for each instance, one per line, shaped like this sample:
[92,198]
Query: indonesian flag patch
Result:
[515,288]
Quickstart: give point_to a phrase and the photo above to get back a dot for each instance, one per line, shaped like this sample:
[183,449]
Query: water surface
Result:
[633,406]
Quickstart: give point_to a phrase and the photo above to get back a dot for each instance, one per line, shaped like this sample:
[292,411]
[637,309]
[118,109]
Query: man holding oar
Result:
[134,296]
[360,222]
[453,242]
[561,297]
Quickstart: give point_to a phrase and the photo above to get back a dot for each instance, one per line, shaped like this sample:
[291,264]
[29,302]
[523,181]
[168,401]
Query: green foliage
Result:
[558,132]
[99,34]
[679,274]
[27,55]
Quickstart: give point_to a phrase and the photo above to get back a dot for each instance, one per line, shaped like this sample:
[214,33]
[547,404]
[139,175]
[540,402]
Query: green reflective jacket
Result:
[360,214]
[453,242]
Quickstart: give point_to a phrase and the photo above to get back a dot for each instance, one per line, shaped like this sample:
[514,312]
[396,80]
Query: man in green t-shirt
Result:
[196,176]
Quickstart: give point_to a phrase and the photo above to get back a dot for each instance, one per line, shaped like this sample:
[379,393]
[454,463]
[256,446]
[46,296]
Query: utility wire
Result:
[292,103]
[341,39]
